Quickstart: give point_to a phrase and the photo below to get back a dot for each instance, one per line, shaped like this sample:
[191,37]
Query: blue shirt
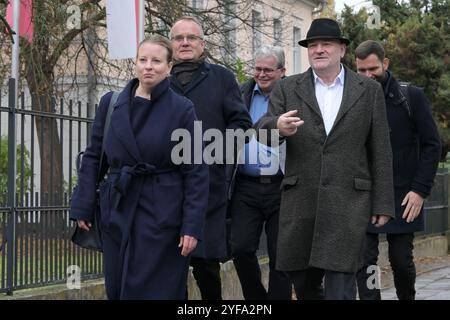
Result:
[260,160]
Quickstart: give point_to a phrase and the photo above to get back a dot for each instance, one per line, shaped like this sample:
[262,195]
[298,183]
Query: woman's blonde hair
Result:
[159,40]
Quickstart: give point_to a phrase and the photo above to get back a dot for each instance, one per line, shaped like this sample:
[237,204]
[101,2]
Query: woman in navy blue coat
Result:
[152,210]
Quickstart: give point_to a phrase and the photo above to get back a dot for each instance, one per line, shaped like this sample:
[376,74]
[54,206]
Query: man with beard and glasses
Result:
[416,152]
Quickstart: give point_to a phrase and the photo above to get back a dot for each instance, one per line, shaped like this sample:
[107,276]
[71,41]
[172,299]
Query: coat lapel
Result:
[306,91]
[198,77]
[247,92]
[175,84]
[121,125]
[353,89]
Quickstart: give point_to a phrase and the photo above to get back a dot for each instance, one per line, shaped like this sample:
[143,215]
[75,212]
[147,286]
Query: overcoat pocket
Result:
[288,182]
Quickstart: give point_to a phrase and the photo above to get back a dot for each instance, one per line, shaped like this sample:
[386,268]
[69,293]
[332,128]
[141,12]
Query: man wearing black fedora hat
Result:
[322,29]
[338,172]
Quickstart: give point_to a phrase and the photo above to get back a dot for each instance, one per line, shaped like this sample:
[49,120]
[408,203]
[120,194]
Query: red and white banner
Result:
[122,22]
[25,19]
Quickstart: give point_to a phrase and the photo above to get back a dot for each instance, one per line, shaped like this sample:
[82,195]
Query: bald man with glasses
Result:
[218,104]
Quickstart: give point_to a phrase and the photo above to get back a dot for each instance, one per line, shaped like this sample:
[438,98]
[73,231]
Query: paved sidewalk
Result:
[432,282]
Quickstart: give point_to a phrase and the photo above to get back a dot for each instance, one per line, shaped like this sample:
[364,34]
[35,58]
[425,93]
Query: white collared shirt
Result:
[329,98]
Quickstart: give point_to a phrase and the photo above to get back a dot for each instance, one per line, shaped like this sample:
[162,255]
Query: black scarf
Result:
[183,71]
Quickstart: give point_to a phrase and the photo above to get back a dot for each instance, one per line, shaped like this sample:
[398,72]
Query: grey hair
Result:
[191,19]
[267,51]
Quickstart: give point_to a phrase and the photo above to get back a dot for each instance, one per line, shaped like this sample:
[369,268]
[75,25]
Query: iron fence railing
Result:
[35,246]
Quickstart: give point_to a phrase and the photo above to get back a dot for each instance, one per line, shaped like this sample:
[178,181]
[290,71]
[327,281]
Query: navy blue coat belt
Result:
[127,173]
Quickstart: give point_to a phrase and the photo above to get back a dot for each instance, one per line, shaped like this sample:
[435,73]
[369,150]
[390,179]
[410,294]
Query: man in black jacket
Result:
[218,104]
[416,152]
[256,198]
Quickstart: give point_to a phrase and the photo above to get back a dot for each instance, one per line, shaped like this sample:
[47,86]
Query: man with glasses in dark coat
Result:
[218,104]
[255,203]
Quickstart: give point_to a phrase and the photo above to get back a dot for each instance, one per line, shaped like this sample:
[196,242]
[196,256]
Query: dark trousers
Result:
[402,264]
[256,205]
[338,285]
[207,274]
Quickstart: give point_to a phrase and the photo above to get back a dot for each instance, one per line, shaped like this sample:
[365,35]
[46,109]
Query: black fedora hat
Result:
[323,28]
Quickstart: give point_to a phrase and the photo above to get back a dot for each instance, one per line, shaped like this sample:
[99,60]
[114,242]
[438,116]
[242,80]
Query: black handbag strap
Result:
[101,172]
[112,101]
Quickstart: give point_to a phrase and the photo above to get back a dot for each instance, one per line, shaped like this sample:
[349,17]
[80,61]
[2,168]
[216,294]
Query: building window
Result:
[277,32]
[256,30]
[228,48]
[296,58]
[197,4]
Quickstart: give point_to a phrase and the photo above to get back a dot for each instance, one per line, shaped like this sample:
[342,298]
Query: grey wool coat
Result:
[334,183]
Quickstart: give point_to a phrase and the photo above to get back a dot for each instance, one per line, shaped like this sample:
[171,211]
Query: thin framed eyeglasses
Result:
[266,70]
[189,38]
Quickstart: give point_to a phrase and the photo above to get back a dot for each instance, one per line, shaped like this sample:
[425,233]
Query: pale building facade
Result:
[276,22]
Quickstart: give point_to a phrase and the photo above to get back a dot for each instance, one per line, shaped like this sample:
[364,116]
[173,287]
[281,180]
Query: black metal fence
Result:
[436,206]
[35,246]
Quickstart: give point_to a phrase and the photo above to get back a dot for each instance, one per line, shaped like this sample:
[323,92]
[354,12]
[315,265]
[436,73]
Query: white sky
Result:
[339,4]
